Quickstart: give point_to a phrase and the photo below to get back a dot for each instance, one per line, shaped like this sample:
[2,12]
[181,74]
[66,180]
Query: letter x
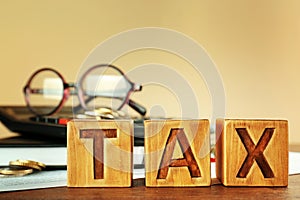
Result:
[255,152]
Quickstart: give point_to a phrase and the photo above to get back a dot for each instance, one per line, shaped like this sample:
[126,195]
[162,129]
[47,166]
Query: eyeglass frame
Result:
[79,91]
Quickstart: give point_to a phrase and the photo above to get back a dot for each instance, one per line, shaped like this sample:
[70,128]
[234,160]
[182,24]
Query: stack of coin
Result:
[106,113]
[21,168]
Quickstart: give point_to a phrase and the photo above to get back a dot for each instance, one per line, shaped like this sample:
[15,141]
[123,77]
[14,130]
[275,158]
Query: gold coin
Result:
[104,110]
[10,176]
[28,164]
[14,172]
[42,165]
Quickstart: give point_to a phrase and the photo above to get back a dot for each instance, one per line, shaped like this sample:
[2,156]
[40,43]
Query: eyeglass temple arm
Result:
[137,107]
[77,108]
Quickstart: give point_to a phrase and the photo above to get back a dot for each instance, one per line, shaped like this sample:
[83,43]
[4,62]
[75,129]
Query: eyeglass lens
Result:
[45,92]
[104,87]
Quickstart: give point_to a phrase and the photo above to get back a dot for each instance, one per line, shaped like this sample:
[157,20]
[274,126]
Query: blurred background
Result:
[254,44]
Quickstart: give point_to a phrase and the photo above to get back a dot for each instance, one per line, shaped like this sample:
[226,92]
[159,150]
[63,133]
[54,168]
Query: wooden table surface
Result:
[139,191]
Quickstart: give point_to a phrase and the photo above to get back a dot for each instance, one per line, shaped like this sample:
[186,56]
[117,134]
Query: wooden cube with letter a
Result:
[99,153]
[252,152]
[177,153]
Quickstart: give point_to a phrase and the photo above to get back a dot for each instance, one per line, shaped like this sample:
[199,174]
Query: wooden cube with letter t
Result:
[177,153]
[100,153]
[252,152]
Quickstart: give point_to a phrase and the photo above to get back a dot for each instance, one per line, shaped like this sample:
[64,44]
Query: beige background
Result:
[255,45]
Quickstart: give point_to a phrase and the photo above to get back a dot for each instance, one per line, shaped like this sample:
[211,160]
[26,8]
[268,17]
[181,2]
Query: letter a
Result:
[188,159]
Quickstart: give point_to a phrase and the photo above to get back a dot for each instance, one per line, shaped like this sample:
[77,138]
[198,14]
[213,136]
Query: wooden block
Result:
[100,153]
[252,152]
[177,153]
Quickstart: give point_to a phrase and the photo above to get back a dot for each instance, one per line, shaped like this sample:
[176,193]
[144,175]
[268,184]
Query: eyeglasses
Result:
[101,86]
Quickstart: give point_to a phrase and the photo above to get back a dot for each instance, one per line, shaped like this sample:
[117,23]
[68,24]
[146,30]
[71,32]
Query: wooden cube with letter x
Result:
[99,153]
[177,153]
[252,152]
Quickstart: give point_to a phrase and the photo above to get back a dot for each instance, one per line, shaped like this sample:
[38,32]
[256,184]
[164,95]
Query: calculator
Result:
[20,120]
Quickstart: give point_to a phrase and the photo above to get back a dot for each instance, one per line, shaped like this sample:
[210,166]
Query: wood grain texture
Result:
[252,152]
[177,153]
[99,153]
